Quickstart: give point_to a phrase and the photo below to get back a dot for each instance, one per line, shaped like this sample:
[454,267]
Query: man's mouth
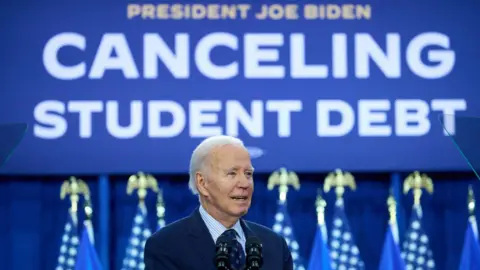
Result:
[239,198]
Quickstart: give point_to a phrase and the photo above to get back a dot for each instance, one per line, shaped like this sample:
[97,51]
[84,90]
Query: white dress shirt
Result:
[216,228]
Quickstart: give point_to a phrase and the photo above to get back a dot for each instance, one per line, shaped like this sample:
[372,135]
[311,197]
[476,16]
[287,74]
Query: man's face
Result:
[229,181]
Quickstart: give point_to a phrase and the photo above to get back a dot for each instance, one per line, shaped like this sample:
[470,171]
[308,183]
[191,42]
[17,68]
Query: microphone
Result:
[221,260]
[253,249]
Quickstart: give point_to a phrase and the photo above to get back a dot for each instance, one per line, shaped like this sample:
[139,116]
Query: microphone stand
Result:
[221,259]
[254,266]
[254,258]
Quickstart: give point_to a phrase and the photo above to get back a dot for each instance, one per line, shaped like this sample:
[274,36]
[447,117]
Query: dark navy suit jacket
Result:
[187,245]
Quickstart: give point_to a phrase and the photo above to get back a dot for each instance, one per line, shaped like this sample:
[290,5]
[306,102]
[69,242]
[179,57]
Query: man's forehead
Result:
[229,164]
[231,159]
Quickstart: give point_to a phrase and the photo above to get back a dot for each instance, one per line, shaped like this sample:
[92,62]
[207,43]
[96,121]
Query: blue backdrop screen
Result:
[119,87]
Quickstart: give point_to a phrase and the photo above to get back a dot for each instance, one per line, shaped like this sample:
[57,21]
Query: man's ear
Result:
[201,184]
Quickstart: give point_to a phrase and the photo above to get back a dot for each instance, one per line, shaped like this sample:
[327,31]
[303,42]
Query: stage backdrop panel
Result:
[117,87]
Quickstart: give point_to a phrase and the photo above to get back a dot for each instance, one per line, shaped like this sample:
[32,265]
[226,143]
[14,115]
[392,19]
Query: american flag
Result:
[343,250]
[140,232]
[283,226]
[69,246]
[416,251]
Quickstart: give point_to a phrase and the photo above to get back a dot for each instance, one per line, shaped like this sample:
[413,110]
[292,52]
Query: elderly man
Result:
[221,173]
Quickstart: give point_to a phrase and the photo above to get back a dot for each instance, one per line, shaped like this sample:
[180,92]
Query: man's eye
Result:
[232,173]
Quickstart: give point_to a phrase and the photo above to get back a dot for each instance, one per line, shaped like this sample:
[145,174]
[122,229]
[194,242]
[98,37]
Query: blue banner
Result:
[122,87]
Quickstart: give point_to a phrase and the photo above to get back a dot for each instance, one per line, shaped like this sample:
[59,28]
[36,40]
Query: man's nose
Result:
[244,181]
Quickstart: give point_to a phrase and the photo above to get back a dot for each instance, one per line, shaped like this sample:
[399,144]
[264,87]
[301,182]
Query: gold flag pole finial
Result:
[160,205]
[320,204]
[471,201]
[417,181]
[283,178]
[74,187]
[141,182]
[340,181]
[392,208]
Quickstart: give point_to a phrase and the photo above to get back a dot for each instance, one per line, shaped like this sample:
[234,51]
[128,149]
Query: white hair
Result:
[200,154]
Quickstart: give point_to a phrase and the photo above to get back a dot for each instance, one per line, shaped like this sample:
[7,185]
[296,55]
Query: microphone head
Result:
[253,241]
[253,248]
[222,240]
[221,259]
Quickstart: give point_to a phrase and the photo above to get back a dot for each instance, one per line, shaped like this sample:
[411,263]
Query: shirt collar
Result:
[216,228]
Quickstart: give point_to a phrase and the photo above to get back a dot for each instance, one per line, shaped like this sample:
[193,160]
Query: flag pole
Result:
[321,204]
[320,253]
[471,201]
[392,210]
[391,256]
[160,210]
[396,183]
[471,211]
[104,220]
[87,207]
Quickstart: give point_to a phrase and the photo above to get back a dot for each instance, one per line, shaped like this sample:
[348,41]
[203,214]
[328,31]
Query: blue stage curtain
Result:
[32,218]
[33,215]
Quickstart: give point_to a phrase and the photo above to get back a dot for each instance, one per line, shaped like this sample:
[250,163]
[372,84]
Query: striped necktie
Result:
[237,257]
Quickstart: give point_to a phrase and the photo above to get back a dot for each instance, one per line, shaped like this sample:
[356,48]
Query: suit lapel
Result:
[201,241]
[246,229]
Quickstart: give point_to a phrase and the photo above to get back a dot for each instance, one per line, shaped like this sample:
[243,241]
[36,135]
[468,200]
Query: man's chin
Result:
[241,210]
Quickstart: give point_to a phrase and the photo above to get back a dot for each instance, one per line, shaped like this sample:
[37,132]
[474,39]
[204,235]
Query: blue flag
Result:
[471,249]
[416,249]
[69,245]
[344,252]
[136,243]
[87,256]
[391,256]
[320,256]
[283,226]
